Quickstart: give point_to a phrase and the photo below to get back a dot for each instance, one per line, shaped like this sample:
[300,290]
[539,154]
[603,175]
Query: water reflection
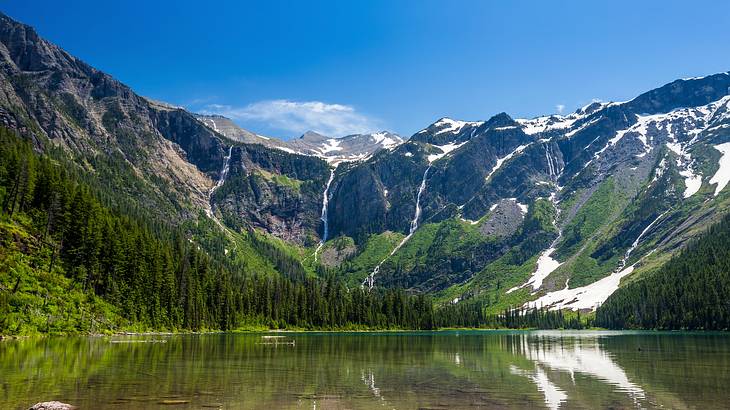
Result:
[554,395]
[401,370]
[581,353]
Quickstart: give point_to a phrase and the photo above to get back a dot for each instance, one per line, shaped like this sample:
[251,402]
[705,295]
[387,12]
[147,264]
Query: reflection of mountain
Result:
[459,369]
[581,355]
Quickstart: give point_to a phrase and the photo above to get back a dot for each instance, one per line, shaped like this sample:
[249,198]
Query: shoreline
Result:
[373,331]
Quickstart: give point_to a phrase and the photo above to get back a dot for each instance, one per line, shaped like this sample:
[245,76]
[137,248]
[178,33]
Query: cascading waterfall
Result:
[325,203]
[224,171]
[552,162]
[220,182]
[414,222]
[370,280]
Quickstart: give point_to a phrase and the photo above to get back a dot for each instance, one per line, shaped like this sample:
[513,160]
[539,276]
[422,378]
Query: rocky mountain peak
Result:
[313,136]
[500,120]
[688,92]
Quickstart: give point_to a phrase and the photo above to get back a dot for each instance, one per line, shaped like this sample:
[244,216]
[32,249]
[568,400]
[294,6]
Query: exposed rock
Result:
[353,147]
[52,405]
[503,220]
[339,251]
[45,92]
[659,149]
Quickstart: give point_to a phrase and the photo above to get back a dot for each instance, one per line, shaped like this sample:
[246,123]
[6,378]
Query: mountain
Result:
[230,130]
[668,298]
[348,148]
[557,211]
[49,95]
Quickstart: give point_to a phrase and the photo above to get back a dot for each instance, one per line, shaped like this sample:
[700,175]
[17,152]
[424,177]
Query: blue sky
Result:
[339,67]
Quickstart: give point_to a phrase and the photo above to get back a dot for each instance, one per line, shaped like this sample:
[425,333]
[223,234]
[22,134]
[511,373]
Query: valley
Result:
[556,213]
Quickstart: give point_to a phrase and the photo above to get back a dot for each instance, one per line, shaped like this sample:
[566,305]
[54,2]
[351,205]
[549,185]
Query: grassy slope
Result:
[375,250]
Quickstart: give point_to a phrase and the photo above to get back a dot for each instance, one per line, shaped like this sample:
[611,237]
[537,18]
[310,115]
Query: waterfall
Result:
[224,171]
[635,244]
[414,222]
[219,183]
[370,280]
[325,202]
[551,168]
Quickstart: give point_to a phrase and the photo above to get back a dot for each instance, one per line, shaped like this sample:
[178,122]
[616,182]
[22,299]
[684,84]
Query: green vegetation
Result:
[511,268]
[688,292]
[281,179]
[472,315]
[590,217]
[103,271]
[376,248]
[37,298]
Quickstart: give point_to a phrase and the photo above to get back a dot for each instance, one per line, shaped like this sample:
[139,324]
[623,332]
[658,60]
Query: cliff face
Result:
[275,192]
[480,209]
[49,94]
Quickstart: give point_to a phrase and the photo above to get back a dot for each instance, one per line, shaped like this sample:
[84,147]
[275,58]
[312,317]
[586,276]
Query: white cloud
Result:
[299,117]
[560,108]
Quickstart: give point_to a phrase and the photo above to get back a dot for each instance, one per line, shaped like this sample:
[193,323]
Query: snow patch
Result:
[692,182]
[506,158]
[593,295]
[469,221]
[548,123]
[289,150]
[545,266]
[722,176]
[384,139]
[585,297]
[452,126]
[331,145]
[523,207]
[445,150]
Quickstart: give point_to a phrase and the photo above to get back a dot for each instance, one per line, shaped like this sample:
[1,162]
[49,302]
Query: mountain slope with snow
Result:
[355,147]
[558,210]
[628,183]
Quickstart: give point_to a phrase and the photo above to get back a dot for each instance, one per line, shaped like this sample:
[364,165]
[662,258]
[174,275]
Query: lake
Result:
[404,370]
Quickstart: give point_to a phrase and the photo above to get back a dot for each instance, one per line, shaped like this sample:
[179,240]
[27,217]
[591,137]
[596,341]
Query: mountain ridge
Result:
[557,210]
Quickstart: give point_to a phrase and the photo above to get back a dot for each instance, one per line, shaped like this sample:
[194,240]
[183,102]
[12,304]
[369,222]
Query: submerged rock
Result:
[52,405]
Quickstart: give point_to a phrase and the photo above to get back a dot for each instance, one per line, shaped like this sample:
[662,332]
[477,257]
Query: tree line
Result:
[161,280]
[157,278]
[689,292]
[471,314]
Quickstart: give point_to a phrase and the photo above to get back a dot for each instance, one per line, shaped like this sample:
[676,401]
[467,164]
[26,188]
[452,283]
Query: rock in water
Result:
[52,405]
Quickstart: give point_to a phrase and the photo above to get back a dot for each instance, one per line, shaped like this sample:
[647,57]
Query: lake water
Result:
[456,369]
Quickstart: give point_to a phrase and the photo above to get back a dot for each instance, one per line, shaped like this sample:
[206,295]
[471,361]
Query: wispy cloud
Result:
[560,108]
[300,116]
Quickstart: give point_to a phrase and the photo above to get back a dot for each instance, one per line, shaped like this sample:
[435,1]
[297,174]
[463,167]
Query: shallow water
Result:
[457,369]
